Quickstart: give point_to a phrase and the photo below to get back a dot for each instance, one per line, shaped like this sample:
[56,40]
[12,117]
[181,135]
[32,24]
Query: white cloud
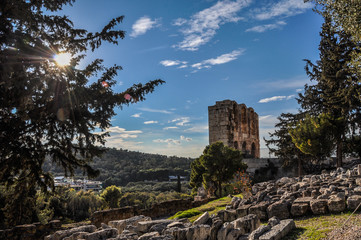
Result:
[291,83]
[266,27]
[285,8]
[142,25]
[198,129]
[167,128]
[272,99]
[169,141]
[122,138]
[155,110]
[136,115]
[169,63]
[119,130]
[181,121]
[290,97]
[150,122]
[267,121]
[276,98]
[224,58]
[179,22]
[173,141]
[299,90]
[202,26]
[187,139]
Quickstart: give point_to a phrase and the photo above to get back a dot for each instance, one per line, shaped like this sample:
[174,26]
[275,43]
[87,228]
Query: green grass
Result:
[186,214]
[212,207]
[317,227]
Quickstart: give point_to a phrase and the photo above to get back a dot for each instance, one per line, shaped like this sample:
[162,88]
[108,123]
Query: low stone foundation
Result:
[30,231]
[162,209]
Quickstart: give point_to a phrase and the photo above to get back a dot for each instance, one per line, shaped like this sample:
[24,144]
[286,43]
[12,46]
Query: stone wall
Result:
[235,125]
[33,231]
[166,208]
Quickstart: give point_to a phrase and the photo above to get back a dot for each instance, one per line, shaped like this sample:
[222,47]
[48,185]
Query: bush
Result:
[111,196]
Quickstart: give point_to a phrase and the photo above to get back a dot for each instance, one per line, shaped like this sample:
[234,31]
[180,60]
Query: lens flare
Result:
[62,59]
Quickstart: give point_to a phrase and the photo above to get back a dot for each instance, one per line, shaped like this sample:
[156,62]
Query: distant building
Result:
[175,178]
[79,184]
[236,126]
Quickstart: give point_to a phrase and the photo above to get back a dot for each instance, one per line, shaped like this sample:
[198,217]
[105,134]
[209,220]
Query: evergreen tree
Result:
[336,90]
[280,143]
[346,15]
[216,165]
[47,109]
[314,136]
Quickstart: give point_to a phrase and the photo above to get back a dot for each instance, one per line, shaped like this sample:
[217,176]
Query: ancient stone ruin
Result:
[274,202]
[236,126]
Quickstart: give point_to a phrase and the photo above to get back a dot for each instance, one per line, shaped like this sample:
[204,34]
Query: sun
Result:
[62,59]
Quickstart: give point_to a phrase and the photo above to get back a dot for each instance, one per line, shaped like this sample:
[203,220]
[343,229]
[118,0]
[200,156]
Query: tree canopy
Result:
[215,166]
[330,107]
[52,110]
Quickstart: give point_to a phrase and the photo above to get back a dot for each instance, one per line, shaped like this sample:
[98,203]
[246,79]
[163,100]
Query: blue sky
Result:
[206,51]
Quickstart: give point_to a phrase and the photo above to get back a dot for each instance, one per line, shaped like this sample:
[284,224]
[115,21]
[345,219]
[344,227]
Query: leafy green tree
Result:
[314,136]
[216,165]
[280,143]
[336,92]
[52,110]
[111,196]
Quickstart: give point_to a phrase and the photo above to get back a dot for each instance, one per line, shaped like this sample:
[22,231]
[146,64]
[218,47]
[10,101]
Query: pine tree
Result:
[47,109]
[314,135]
[280,143]
[336,89]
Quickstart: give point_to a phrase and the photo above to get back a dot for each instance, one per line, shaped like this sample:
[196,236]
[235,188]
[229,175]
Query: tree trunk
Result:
[299,161]
[339,153]
[220,188]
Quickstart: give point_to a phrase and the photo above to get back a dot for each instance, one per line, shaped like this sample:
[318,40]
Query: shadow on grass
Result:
[295,234]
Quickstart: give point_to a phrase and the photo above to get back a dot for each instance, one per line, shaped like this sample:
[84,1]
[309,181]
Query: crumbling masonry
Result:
[236,126]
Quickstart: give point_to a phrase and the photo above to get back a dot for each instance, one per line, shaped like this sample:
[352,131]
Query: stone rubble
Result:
[276,201]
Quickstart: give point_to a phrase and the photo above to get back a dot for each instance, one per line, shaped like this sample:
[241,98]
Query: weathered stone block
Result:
[260,210]
[122,224]
[242,211]
[279,210]
[202,219]
[144,226]
[279,231]
[319,206]
[102,234]
[198,232]
[148,236]
[299,209]
[58,235]
[336,204]
[353,202]
[259,232]
[247,224]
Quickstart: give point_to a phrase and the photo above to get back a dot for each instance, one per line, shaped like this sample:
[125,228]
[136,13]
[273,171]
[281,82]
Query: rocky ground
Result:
[275,202]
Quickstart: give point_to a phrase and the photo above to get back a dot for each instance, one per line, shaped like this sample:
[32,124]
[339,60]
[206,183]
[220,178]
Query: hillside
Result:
[119,167]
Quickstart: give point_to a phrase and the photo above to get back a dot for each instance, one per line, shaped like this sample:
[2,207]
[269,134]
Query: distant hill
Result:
[119,167]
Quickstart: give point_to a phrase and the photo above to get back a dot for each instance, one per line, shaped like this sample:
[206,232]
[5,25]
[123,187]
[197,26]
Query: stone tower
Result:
[236,126]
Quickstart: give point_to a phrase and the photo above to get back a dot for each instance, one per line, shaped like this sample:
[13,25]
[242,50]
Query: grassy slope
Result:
[310,227]
[212,208]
